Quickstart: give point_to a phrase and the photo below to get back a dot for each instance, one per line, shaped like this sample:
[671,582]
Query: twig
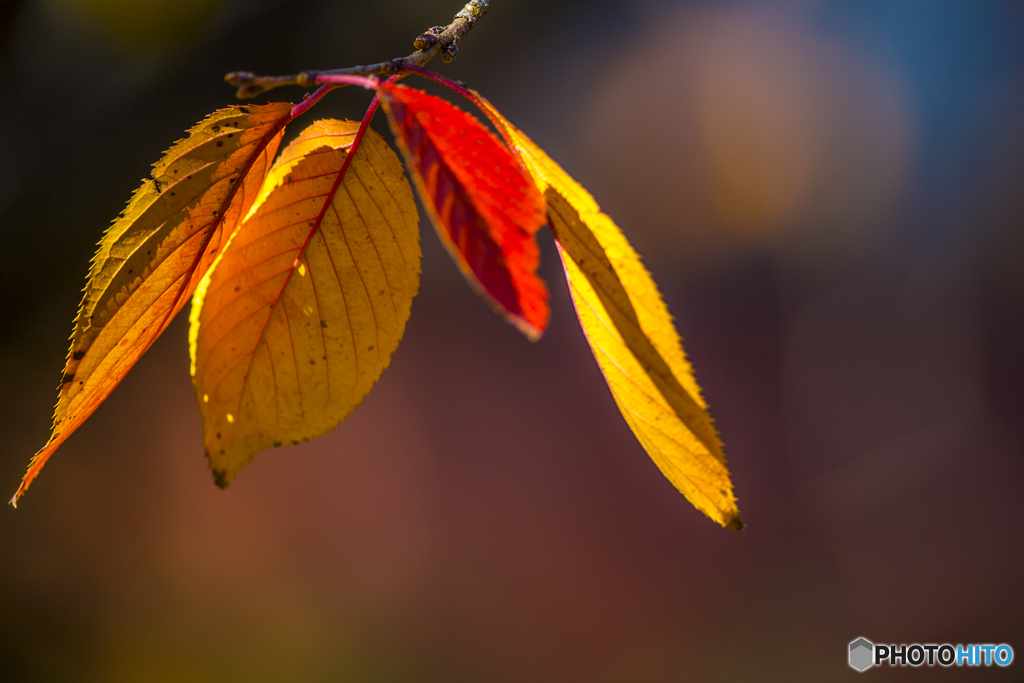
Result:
[443,39]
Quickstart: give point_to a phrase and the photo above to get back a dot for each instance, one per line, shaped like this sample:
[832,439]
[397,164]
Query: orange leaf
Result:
[153,256]
[300,314]
[631,335]
[485,208]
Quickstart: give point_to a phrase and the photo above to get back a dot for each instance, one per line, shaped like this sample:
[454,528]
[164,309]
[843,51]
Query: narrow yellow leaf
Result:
[153,256]
[632,335]
[300,314]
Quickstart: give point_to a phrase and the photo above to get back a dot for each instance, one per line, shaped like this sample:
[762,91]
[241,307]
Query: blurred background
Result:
[830,197]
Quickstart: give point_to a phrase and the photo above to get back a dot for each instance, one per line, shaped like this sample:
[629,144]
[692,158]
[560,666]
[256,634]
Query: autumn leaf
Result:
[301,312]
[484,207]
[153,256]
[304,275]
[631,334]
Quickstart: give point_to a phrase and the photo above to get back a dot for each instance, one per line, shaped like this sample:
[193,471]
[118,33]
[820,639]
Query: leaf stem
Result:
[440,39]
[307,103]
[363,125]
[446,82]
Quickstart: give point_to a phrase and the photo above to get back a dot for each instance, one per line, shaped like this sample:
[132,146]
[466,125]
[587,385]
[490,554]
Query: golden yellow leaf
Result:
[301,312]
[153,256]
[632,335]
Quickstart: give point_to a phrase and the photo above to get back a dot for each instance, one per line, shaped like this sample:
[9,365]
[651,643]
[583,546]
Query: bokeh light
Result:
[828,195]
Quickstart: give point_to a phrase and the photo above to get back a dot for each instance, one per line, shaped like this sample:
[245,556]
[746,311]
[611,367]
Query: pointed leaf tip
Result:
[631,334]
[154,254]
[484,207]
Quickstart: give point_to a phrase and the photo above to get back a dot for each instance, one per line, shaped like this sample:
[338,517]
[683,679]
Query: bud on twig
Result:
[439,39]
[449,53]
[428,38]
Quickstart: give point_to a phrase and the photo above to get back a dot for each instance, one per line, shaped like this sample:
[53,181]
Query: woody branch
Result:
[440,39]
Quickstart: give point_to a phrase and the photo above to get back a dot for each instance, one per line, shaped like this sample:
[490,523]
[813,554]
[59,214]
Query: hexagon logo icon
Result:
[862,654]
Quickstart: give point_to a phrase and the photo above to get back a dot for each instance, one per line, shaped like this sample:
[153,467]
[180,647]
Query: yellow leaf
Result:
[632,335]
[153,256]
[301,312]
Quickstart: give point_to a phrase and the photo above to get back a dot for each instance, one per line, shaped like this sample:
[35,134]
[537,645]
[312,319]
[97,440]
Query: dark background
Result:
[831,197]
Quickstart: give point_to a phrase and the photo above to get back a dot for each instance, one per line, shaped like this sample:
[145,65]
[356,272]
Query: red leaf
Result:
[483,205]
